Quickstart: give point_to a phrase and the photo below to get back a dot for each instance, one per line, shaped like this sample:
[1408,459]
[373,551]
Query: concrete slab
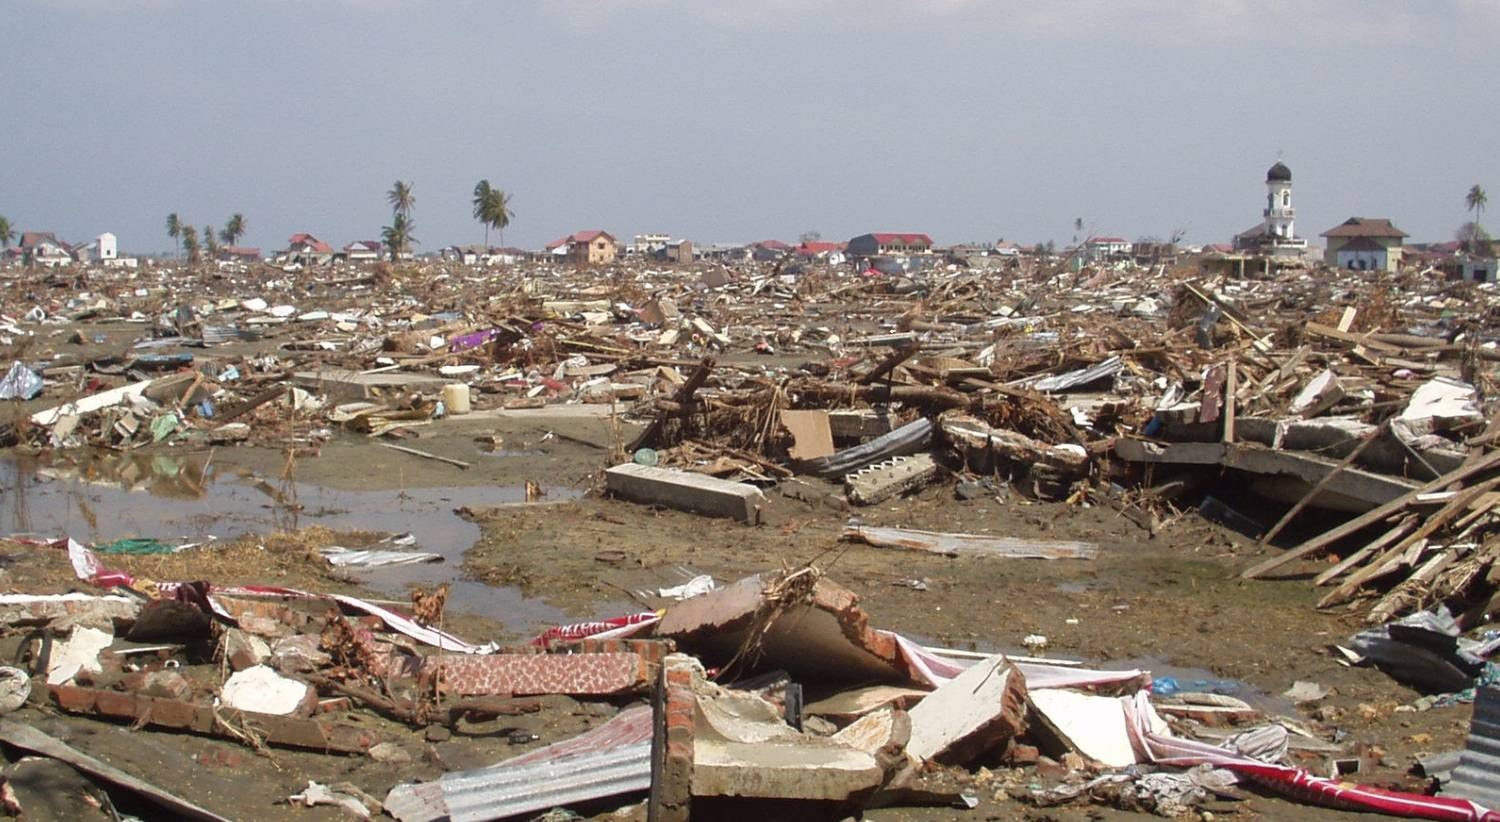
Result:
[1372,488]
[807,769]
[849,705]
[1094,726]
[346,386]
[824,637]
[974,712]
[685,491]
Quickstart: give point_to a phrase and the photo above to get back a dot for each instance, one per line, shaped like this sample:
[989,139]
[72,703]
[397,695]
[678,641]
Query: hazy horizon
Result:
[734,122]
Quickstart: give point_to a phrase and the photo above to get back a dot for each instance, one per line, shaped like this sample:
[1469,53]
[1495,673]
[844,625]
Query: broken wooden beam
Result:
[958,545]
[1365,520]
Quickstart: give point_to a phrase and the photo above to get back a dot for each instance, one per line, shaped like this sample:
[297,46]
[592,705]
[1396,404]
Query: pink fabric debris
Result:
[1294,782]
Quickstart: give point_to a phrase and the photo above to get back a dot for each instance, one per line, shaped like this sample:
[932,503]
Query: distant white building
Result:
[1277,233]
[648,243]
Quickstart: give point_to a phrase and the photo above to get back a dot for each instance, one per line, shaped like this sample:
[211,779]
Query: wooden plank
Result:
[812,435]
[1363,340]
[1369,518]
[954,545]
[1231,378]
[1359,556]
[416,452]
[1384,563]
[1346,320]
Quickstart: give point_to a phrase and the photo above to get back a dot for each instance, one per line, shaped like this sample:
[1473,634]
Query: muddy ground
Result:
[1171,603]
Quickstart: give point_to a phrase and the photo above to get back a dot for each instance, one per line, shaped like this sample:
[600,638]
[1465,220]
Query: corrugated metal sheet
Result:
[219,334]
[908,439]
[612,759]
[1074,379]
[499,794]
[1477,777]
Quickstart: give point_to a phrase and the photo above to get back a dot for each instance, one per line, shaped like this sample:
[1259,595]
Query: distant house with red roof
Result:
[306,249]
[767,250]
[238,254]
[832,253]
[363,251]
[44,249]
[881,244]
[592,247]
[1103,248]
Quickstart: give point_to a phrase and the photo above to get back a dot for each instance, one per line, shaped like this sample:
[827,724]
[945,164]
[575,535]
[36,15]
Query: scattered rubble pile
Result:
[1360,413]
[774,688]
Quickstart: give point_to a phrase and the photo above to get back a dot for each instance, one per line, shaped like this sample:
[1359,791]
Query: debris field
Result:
[762,541]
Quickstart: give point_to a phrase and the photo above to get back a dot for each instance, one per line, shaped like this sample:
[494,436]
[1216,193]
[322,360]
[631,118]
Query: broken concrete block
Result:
[1438,405]
[261,690]
[847,706]
[1093,726]
[974,712]
[740,747]
[821,636]
[883,480]
[302,653]
[858,423]
[75,609]
[685,491]
[243,650]
[882,734]
[1320,394]
[167,684]
[808,769]
[982,445]
[351,386]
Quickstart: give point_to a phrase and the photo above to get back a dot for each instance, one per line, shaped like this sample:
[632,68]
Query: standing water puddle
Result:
[105,497]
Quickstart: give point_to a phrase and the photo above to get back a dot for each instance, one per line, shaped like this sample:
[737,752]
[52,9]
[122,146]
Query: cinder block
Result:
[883,480]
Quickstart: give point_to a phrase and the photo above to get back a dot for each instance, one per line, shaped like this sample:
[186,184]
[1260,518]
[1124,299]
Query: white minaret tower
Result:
[1279,212]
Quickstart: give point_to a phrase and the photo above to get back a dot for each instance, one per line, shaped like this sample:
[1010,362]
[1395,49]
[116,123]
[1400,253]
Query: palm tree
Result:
[174,230]
[1476,200]
[397,236]
[492,209]
[482,212]
[401,199]
[6,232]
[189,242]
[233,230]
[210,245]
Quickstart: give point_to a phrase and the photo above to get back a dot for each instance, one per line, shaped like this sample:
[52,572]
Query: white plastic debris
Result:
[701,584]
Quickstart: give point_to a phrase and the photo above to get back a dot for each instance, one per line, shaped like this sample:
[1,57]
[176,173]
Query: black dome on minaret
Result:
[1279,173]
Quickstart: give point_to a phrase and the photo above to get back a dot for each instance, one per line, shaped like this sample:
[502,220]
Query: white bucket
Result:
[456,398]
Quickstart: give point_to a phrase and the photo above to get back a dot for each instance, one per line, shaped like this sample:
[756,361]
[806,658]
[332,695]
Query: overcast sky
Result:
[744,119]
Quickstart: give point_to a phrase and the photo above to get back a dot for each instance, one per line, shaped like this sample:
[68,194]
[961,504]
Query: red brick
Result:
[672,743]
